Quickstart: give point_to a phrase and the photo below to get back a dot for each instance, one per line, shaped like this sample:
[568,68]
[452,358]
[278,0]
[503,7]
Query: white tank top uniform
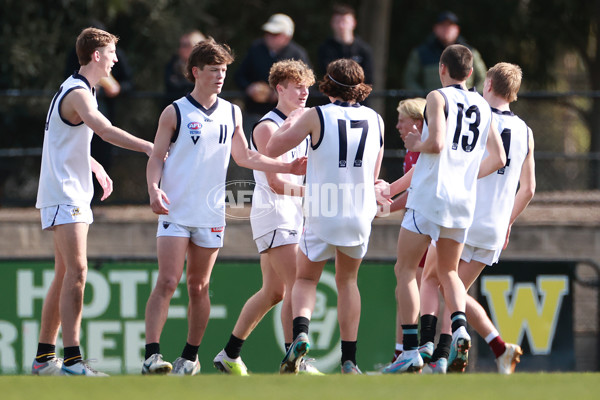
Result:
[194,173]
[272,211]
[340,199]
[66,170]
[443,186]
[496,192]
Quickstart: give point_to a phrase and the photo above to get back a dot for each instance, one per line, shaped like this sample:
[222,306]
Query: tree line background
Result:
[554,41]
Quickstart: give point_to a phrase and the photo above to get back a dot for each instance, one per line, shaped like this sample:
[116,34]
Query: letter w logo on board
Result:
[526,308]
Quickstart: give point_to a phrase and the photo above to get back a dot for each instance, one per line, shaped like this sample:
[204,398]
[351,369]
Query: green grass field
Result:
[571,386]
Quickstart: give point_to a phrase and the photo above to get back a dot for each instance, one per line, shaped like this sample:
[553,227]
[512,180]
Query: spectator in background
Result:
[343,43]
[118,84]
[176,84]
[253,74]
[421,71]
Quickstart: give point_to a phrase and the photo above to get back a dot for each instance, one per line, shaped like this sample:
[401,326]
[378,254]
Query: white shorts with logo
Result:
[204,237]
[318,250]
[65,214]
[485,256]
[416,222]
[276,238]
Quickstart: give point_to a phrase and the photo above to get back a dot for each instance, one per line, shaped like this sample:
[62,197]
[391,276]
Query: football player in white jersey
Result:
[200,132]
[340,203]
[496,210]
[276,219]
[441,198]
[65,192]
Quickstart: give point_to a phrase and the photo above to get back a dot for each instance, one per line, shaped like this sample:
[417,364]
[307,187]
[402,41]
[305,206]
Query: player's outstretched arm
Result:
[300,123]
[82,104]
[261,135]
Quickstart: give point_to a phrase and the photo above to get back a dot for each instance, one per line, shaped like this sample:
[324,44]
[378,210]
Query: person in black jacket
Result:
[253,73]
[421,72]
[343,43]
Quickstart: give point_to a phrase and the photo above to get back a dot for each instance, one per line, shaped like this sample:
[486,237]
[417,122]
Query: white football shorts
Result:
[65,214]
[210,238]
[318,250]
[416,222]
[276,238]
[485,256]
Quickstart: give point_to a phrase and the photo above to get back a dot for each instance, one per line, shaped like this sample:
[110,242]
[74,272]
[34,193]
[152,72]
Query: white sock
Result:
[399,347]
[491,336]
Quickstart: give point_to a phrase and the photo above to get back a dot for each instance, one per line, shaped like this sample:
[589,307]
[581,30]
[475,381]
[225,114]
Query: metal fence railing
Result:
[563,159]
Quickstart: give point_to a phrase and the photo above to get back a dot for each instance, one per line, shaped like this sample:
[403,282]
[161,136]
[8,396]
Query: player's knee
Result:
[167,286]
[276,295]
[197,289]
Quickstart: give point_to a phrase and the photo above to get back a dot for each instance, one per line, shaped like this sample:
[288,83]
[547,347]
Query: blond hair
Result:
[412,108]
[505,79]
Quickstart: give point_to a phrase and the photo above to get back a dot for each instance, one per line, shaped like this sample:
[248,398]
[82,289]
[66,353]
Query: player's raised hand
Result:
[412,140]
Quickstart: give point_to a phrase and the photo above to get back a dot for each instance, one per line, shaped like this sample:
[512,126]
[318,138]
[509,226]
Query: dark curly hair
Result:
[345,79]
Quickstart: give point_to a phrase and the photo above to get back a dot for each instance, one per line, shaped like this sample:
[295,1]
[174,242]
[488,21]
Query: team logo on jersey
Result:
[195,132]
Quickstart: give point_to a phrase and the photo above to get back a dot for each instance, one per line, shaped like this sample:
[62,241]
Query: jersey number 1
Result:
[505,135]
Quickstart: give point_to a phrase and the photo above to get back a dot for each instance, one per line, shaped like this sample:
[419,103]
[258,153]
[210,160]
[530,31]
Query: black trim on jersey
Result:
[379,125]
[77,75]
[233,118]
[208,111]
[60,102]
[178,125]
[56,96]
[506,112]
[280,113]
[254,127]
[345,104]
[320,114]
[446,105]
[455,86]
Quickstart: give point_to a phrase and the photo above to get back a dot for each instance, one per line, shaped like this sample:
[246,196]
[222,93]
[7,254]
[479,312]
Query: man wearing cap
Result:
[421,71]
[253,73]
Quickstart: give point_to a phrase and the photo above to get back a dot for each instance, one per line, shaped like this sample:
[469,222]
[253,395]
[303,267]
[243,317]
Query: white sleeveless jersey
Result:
[66,171]
[272,211]
[496,192]
[340,197]
[443,186]
[194,173]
